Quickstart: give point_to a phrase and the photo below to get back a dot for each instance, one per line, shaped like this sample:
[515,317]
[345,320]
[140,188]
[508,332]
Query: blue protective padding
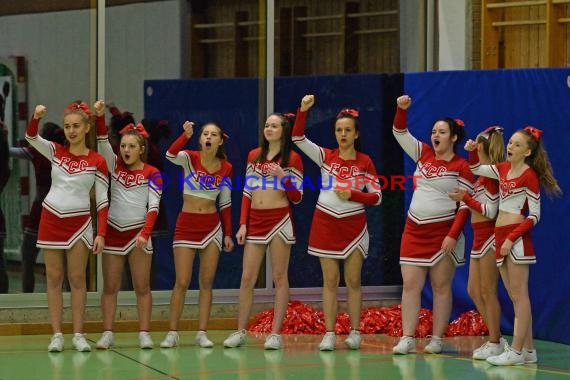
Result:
[234,104]
[512,99]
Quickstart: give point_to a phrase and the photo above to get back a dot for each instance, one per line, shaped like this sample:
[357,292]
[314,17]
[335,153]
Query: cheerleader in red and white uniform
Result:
[520,178]
[432,241]
[42,175]
[65,230]
[338,230]
[207,178]
[483,272]
[135,195]
[272,177]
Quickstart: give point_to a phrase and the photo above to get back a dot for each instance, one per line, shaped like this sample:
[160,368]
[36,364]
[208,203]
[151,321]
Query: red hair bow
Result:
[489,131]
[535,132]
[78,106]
[347,112]
[459,122]
[289,115]
[138,128]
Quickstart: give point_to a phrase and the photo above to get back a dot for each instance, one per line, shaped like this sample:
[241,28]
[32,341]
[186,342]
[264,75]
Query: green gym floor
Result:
[25,357]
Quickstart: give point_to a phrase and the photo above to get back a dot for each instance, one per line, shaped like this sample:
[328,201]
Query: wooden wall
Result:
[318,40]
[524,34]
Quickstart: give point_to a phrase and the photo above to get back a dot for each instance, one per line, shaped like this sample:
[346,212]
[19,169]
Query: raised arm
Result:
[174,153]
[45,147]
[489,171]
[103,145]
[312,150]
[409,143]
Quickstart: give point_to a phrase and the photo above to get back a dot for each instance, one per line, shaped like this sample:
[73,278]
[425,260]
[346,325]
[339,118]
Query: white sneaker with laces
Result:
[328,342]
[236,339]
[171,340]
[530,356]
[80,343]
[273,342]
[508,357]
[56,343]
[488,349]
[353,340]
[145,340]
[203,341]
[106,341]
[435,345]
[406,345]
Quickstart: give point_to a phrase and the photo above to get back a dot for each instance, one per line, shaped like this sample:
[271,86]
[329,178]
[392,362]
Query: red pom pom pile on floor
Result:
[303,319]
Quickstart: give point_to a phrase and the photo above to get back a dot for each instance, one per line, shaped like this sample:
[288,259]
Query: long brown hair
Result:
[285,151]
[538,160]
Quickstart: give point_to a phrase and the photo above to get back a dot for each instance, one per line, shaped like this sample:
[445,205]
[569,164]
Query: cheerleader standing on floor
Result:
[483,272]
[207,177]
[266,223]
[520,177]
[135,195]
[339,230]
[65,230]
[432,241]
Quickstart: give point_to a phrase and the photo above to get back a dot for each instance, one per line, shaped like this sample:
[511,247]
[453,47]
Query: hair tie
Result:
[459,122]
[225,135]
[535,132]
[347,112]
[139,128]
[82,106]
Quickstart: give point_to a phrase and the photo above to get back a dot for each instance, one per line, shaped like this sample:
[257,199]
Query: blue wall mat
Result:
[512,99]
[234,104]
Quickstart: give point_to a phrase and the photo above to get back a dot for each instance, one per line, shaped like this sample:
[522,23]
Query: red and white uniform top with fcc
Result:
[198,181]
[135,194]
[520,195]
[433,180]
[72,177]
[257,176]
[336,172]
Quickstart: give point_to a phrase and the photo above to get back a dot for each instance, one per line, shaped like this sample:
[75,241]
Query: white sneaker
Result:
[406,345]
[328,342]
[353,340]
[273,342]
[106,341]
[203,341]
[170,340]
[435,346]
[488,349]
[530,356]
[508,357]
[56,343]
[145,341]
[80,343]
[236,339]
